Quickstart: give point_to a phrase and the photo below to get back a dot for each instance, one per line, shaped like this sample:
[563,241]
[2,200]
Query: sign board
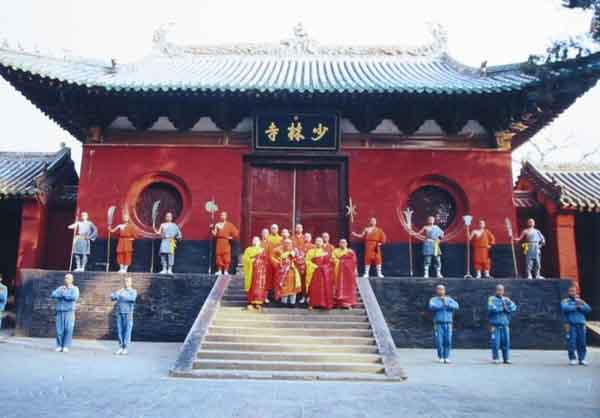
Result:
[296,131]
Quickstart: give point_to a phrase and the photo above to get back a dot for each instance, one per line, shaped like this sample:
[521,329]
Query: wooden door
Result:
[287,195]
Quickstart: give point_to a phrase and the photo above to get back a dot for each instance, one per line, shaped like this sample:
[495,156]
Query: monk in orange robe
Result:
[345,276]
[320,277]
[298,238]
[482,241]
[286,277]
[224,232]
[126,237]
[266,244]
[374,238]
[327,245]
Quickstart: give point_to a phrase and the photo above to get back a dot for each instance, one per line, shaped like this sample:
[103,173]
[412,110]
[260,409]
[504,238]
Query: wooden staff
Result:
[73,242]
[155,206]
[512,245]
[110,216]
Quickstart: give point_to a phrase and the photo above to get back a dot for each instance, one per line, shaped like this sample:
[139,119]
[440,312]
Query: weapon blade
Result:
[155,207]
[111,214]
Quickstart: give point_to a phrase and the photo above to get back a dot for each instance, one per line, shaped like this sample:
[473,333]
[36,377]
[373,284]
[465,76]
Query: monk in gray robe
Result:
[85,233]
[170,234]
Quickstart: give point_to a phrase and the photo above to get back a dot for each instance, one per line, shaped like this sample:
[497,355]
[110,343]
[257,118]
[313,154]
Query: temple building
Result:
[292,132]
[565,201]
[38,193]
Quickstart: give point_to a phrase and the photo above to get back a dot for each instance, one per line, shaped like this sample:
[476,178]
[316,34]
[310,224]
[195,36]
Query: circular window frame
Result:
[142,184]
[452,188]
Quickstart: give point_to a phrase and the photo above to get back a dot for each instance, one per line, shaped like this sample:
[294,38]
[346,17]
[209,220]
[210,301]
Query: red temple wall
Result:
[58,248]
[380,181]
[32,237]
[109,173]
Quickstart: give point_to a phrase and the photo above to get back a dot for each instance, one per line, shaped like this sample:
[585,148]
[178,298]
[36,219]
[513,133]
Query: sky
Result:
[500,32]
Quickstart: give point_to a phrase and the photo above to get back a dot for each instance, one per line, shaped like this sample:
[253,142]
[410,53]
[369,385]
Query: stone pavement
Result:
[90,381]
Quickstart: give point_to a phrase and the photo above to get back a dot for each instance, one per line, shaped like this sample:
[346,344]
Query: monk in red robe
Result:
[255,262]
[126,237]
[286,277]
[320,277]
[374,238]
[268,247]
[224,232]
[482,240]
[345,276]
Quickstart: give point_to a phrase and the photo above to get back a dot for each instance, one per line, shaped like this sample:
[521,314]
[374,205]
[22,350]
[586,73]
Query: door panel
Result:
[310,195]
[317,201]
[270,199]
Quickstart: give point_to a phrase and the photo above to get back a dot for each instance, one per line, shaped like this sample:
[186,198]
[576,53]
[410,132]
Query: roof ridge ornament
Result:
[300,42]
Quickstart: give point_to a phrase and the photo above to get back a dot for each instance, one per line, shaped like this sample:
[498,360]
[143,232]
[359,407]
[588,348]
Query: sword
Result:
[73,241]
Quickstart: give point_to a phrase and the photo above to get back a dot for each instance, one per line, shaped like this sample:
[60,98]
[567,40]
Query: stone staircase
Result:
[284,343]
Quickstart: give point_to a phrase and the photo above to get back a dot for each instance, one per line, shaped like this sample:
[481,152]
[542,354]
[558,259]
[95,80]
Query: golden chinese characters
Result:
[319,131]
[272,132]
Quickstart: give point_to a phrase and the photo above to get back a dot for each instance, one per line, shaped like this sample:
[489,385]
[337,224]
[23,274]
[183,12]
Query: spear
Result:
[512,245]
[468,219]
[155,206]
[110,216]
[73,241]
[211,207]
[408,212]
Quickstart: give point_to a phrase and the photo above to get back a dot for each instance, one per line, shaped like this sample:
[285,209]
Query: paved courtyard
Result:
[90,381]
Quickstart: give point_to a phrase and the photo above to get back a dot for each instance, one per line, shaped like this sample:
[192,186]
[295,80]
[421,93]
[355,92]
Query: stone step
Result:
[288,366]
[283,375]
[301,316]
[312,332]
[243,303]
[299,311]
[289,348]
[301,324]
[313,357]
[290,340]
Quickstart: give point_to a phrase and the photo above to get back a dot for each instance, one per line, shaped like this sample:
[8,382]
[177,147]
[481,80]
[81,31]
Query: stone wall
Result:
[537,323]
[165,310]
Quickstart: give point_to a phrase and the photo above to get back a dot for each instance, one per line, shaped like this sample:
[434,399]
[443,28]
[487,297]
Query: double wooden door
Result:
[292,194]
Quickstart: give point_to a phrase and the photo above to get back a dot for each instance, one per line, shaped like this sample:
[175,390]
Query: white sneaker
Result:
[440,360]
[163,271]
[507,361]
[478,275]
[426,276]
[119,352]
[267,300]
[529,276]
[439,276]
[366,276]
[380,275]
[573,362]
[124,352]
[302,300]
[226,273]
[539,276]
[65,350]
[170,271]
[496,361]
[58,349]
[447,361]
[122,271]
[584,362]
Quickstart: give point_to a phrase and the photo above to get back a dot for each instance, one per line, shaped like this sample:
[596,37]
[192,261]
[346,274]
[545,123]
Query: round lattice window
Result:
[170,201]
[432,201]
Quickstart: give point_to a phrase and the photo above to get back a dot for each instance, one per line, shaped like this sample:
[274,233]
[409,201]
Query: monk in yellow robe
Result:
[255,262]
[224,232]
[286,277]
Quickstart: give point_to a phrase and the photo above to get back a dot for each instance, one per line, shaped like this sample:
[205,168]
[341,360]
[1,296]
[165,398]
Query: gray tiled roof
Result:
[20,171]
[575,187]
[254,68]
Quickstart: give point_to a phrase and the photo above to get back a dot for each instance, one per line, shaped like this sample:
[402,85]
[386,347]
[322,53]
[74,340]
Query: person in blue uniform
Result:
[431,235]
[170,234]
[574,310]
[125,304]
[443,308]
[3,299]
[500,309]
[65,297]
